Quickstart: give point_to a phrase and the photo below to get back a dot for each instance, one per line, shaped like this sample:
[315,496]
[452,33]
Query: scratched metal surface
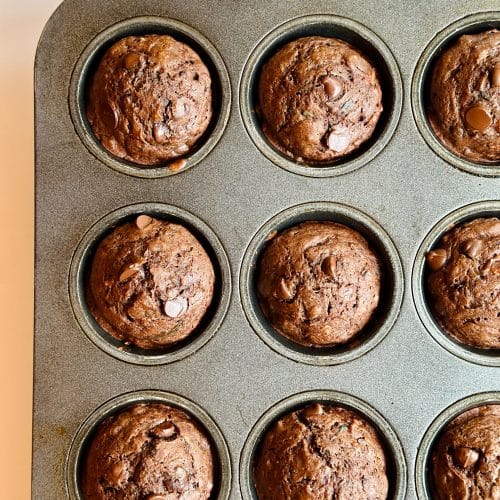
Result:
[236,377]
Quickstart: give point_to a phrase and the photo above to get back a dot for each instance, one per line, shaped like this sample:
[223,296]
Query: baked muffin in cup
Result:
[464,97]
[321,452]
[462,283]
[150,283]
[150,100]
[318,283]
[464,460]
[148,451]
[319,99]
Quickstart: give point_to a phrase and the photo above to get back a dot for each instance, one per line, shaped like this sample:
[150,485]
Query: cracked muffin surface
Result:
[465,460]
[150,99]
[464,104]
[150,283]
[318,453]
[463,282]
[148,451]
[318,283]
[319,99]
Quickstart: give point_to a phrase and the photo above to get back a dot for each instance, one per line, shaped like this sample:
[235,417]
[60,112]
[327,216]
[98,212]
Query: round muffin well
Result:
[462,279]
[148,450]
[320,452]
[464,97]
[464,460]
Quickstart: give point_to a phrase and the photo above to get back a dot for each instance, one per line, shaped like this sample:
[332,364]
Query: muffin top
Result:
[150,99]
[319,98]
[318,283]
[150,283]
[464,282]
[465,460]
[148,451]
[319,453]
[464,104]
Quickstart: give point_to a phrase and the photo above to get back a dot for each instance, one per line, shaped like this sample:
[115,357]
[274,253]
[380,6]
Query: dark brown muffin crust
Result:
[150,99]
[318,283]
[320,99]
[465,459]
[464,104]
[148,452]
[464,282]
[150,284]
[319,453]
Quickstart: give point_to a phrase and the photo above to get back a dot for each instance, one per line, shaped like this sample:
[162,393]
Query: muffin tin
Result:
[397,191]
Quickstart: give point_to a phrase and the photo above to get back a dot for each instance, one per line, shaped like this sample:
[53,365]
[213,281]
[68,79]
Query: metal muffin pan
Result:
[222,483]
[235,190]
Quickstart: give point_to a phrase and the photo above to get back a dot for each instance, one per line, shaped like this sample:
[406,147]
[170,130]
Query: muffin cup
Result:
[92,54]
[422,482]
[396,462]
[488,357]
[361,38]
[81,440]
[391,287]
[213,317]
[475,23]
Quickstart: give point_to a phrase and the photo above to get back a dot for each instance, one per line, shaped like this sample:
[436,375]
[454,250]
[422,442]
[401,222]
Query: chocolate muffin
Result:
[463,282]
[148,451]
[320,99]
[464,104]
[319,283]
[150,99]
[465,460]
[150,283]
[321,452]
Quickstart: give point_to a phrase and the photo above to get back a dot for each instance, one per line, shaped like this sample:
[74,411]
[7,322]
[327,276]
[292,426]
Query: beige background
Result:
[21,23]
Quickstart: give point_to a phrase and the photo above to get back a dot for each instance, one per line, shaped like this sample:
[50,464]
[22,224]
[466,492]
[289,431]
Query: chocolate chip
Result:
[130,60]
[436,259]
[328,266]
[471,248]
[143,221]
[333,87]
[478,118]
[180,473]
[159,132]
[465,457]
[117,472]
[109,116]
[128,273]
[284,291]
[179,110]
[495,76]
[313,410]
[175,307]
[165,430]
[272,235]
[177,165]
[338,141]
[482,83]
